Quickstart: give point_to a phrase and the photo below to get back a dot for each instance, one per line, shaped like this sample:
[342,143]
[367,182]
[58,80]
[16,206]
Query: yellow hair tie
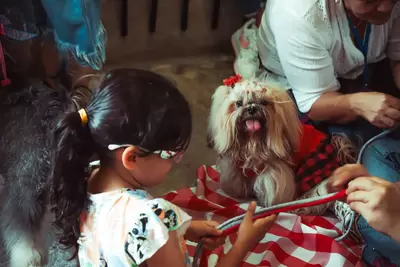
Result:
[84,117]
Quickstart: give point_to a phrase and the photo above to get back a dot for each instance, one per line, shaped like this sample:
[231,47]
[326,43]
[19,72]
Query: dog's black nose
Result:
[251,109]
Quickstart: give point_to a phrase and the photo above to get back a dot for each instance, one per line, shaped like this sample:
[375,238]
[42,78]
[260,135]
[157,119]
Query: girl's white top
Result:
[124,228]
[307,45]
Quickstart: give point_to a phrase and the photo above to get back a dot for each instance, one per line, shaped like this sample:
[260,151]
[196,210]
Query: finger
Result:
[387,121]
[365,184]
[353,168]
[214,242]
[219,241]
[359,196]
[380,180]
[212,223]
[209,246]
[250,212]
[211,228]
[360,183]
[209,243]
[393,113]
[347,173]
[359,207]
[393,102]
[266,222]
[379,124]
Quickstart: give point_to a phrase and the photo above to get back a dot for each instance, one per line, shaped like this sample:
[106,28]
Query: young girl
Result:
[138,124]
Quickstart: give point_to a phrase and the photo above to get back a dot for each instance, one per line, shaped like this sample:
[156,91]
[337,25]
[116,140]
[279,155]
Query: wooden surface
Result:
[168,40]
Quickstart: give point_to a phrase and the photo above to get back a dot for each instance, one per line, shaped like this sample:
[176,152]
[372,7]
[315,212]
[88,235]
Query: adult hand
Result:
[251,232]
[378,201]
[206,231]
[379,109]
[343,175]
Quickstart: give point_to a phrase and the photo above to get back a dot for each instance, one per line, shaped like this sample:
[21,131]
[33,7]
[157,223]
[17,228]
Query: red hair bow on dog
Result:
[231,81]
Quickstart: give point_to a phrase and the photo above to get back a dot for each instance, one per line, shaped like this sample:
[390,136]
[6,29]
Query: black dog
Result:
[29,111]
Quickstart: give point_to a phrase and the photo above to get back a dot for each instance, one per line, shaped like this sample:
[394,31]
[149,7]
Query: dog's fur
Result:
[29,111]
[270,147]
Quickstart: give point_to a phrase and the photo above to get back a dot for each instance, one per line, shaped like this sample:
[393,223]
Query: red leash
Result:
[332,197]
[337,196]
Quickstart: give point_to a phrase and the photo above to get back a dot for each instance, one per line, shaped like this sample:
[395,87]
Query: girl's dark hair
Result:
[130,106]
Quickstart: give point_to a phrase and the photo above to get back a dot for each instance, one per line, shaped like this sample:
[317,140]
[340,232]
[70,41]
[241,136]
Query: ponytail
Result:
[73,149]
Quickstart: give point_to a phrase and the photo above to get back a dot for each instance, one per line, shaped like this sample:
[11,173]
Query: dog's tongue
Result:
[253,125]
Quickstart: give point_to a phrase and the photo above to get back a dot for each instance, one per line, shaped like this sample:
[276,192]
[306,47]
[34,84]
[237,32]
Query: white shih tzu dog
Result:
[256,131]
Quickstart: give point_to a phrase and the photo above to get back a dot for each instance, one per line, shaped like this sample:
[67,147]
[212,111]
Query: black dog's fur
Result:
[29,111]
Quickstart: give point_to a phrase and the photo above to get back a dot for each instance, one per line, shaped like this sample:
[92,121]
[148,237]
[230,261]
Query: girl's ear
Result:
[128,158]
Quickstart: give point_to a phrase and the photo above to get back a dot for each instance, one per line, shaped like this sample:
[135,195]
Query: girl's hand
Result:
[377,201]
[250,233]
[207,232]
[343,175]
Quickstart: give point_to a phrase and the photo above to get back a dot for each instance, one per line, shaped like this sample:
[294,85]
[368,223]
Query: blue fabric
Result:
[382,159]
[359,131]
[78,29]
[76,25]
[363,47]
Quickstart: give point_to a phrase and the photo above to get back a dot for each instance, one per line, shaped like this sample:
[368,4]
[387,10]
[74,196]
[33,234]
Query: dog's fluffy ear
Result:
[285,129]
[214,122]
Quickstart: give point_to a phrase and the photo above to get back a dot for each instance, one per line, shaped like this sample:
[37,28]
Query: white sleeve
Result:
[305,60]
[393,45]
[150,229]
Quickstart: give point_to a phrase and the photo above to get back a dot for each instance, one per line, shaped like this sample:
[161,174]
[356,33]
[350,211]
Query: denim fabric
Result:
[382,159]
[359,131]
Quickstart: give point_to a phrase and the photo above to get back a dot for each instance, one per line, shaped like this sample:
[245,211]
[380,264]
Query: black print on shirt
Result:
[168,217]
[137,241]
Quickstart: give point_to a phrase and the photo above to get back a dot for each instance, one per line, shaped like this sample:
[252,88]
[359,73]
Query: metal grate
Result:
[154,11]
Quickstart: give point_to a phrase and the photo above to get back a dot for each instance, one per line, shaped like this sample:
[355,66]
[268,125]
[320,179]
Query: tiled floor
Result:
[197,78]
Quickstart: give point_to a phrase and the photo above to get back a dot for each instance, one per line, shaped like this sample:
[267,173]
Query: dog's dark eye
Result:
[239,103]
[264,102]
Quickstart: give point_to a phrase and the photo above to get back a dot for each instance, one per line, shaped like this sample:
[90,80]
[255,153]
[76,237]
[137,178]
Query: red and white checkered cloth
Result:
[293,241]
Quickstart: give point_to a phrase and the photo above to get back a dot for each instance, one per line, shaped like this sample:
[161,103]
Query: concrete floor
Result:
[197,78]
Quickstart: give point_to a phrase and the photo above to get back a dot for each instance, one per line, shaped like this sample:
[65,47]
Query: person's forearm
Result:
[396,72]
[234,257]
[333,107]
[395,233]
